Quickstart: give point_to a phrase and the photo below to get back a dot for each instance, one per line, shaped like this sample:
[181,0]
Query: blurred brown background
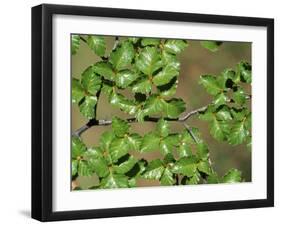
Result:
[195,61]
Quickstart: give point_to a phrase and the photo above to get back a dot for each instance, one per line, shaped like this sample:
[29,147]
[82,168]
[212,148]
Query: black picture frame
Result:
[42,107]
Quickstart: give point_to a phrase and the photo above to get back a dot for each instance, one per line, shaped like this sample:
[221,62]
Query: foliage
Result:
[150,69]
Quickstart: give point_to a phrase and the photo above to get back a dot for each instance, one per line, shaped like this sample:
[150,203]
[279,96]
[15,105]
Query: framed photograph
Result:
[146,112]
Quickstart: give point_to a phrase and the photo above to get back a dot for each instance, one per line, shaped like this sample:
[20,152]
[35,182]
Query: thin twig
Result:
[103,122]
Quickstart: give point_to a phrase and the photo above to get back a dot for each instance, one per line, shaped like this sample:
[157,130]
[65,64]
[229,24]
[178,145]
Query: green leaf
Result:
[210,84]
[123,103]
[84,169]
[165,76]
[154,170]
[75,43]
[125,78]
[106,139]
[219,129]
[134,141]
[245,71]
[118,148]
[122,56]
[202,151]
[150,41]
[77,147]
[99,165]
[77,92]
[213,178]
[239,96]
[87,108]
[169,89]
[148,60]
[152,105]
[134,40]
[150,142]
[97,44]
[204,167]
[74,167]
[220,99]
[232,176]
[142,85]
[168,143]
[175,46]
[174,107]
[213,46]
[224,114]
[114,181]
[184,148]
[167,177]
[125,166]
[238,133]
[186,166]
[120,127]
[163,127]
[91,81]
[104,69]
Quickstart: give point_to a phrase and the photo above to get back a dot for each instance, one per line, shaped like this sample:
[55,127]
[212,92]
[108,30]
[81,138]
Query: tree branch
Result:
[103,122]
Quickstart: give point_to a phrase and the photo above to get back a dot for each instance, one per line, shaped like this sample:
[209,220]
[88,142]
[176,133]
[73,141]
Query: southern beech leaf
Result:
[123,103]
[77,147]
[245,72]
[74,167]
[232,176]
[220,99]
[219,129]
[184,147]
[173,108]
[106,139]
[120,127]
[167,177]
[150,41]
[167,144]
[213,46]
[84,169]
[150,142]
[91,81]
[163,127]
[114,181]
[210,84]
[149,60]
[186,166]
[104,69]
[87,108]
[202,151]
[166,74]
[97,44]
[168,89]
[223,113]
[118,148]
[175,46]
[122,56]
[239,96]
[99,165]
[238,133]
[134,141]
[125,166]
[204,167]
[142,85]
[75,43]
[77,92]
[125,77]
[154,170]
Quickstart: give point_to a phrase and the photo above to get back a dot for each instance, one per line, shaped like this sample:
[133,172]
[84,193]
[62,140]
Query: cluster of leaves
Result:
[228,114]
[149,68]
[185,161]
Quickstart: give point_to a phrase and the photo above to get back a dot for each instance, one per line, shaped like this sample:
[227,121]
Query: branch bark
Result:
[103,122]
